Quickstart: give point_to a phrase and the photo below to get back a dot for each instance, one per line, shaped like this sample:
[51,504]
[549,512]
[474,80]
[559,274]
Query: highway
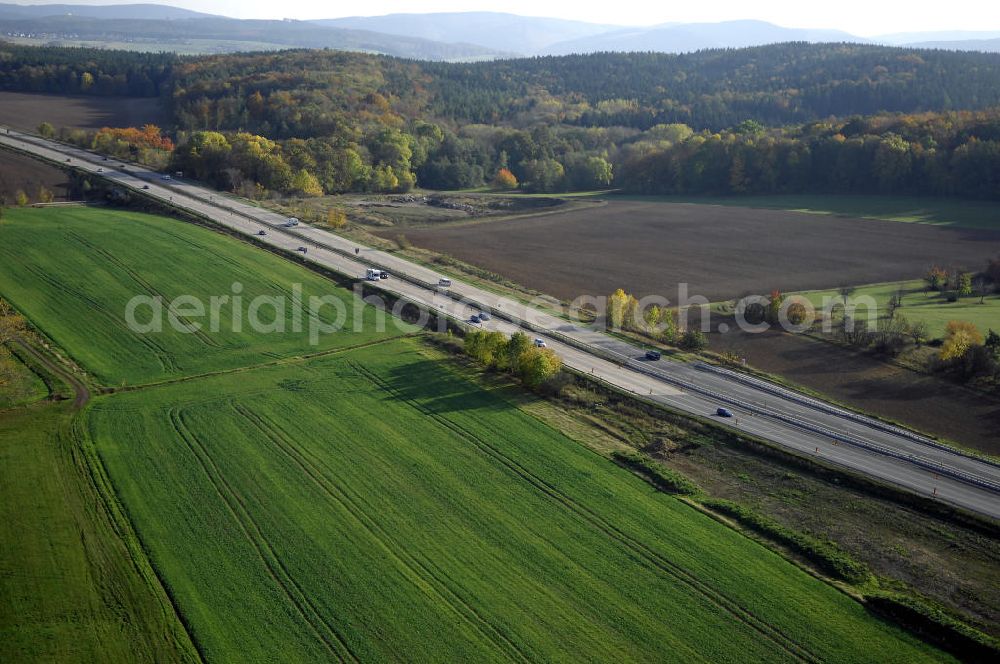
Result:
[803,425]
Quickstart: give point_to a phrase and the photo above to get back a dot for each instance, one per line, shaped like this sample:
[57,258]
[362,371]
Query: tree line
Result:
[516,355]
[953,153]
[836,118]
[85,71]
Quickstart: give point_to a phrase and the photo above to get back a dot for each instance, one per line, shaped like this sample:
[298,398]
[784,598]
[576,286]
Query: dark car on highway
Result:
[723,412]
[653,355]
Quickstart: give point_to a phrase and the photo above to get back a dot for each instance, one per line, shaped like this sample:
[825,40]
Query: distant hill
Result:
[983,45]
[687,37]
[908,38]
[455,36]
[505,33]
[136,11]
[232,35]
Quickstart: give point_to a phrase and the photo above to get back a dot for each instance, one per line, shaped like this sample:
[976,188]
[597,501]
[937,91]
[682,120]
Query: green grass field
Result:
[370,504]
[364,504]
[909,209]
[72,271]
[931,308]
[69,589]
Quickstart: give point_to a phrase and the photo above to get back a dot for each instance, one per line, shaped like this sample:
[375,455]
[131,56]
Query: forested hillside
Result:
[774,85]
[714,89]
[87,71]
[783,118]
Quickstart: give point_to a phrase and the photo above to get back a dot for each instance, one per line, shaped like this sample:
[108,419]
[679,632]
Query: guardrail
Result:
[806,400]
[630,362]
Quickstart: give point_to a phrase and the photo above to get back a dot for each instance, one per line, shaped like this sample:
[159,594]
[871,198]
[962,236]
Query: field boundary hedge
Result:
[663,478]
[824,554]
[935,626]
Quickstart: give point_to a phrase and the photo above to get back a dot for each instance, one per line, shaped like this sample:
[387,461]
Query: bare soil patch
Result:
[25,111]
[649,247]
[29,175]
[854,378]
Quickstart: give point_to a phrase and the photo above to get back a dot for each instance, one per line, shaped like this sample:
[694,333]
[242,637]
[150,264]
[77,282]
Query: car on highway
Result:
[145,186]
[262,232]
[474,319]
[484,316]
[540,343]
[723,412]
[100,170]
[164,177]
[653,355]
[444,282]
[302,249]
[104,159]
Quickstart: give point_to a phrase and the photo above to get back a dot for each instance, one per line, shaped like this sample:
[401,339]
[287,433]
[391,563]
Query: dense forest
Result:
[85,71]
[784,118]
[955,153]
[713,89]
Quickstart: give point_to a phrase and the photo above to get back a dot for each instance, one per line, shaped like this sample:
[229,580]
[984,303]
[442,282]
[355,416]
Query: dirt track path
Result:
[81,391]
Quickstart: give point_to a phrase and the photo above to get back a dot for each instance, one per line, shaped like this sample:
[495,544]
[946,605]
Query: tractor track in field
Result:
[793,648]
[279,360]
[429,579]
[139,279]
[328,634]
[162,356]
[81,393]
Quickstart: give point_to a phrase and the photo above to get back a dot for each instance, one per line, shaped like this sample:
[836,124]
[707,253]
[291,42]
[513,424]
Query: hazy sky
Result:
[860,17]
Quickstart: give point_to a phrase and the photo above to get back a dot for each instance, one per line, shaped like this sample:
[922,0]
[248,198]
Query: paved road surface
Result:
[791,420]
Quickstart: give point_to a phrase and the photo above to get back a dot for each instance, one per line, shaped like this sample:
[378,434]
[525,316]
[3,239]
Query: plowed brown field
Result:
[25,111]
[721,252]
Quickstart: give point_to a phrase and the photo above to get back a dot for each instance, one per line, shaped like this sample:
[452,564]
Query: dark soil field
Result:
[856,379]
[27,174]
[25,111]
[721,252]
